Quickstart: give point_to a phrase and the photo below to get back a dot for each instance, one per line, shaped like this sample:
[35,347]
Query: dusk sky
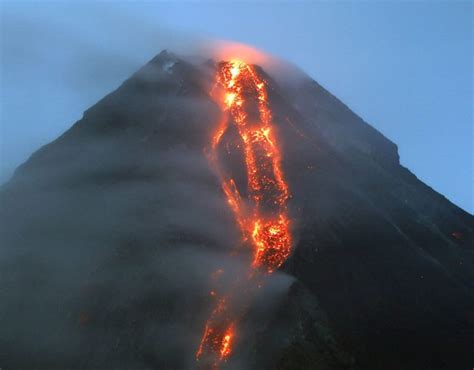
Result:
[405,67]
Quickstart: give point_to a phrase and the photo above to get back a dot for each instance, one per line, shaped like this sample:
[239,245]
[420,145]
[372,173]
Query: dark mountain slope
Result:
[112,230]
[390,259]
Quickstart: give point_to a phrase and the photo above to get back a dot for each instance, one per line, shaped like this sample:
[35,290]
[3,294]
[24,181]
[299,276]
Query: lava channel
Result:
[261,214]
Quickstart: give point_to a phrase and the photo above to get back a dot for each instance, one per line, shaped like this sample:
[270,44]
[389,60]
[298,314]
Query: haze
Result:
[404,67]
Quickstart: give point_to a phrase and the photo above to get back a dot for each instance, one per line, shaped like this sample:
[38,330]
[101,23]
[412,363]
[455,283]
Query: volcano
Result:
[219,214]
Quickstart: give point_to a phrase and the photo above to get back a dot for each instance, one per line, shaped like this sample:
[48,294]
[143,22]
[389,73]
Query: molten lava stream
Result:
[262,215]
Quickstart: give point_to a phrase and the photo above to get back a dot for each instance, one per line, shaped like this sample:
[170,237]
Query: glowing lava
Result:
[267,224]
[262,213]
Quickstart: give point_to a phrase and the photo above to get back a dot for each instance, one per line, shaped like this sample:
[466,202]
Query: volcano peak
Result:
[153,212]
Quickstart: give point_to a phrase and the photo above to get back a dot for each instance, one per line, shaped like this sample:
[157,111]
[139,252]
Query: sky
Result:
[404,66]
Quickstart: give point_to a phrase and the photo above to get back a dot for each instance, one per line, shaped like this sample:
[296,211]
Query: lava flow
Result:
[267,224]
[262,213]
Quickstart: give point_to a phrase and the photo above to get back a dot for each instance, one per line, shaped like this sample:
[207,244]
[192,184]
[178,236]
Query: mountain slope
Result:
[112,230]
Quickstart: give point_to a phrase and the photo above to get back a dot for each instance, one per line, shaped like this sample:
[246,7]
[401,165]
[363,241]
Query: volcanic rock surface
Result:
[110,234]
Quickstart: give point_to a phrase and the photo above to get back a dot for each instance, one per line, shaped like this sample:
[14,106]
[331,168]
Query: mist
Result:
[111,234]
[58,62]
[134,249]
[60,58]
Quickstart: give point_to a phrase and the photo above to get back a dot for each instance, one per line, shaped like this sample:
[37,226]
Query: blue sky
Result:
[405,67]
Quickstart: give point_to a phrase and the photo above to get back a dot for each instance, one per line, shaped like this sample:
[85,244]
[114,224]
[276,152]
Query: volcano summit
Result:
[221,215]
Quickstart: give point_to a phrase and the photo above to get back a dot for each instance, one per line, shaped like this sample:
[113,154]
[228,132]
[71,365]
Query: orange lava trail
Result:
[262,215]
